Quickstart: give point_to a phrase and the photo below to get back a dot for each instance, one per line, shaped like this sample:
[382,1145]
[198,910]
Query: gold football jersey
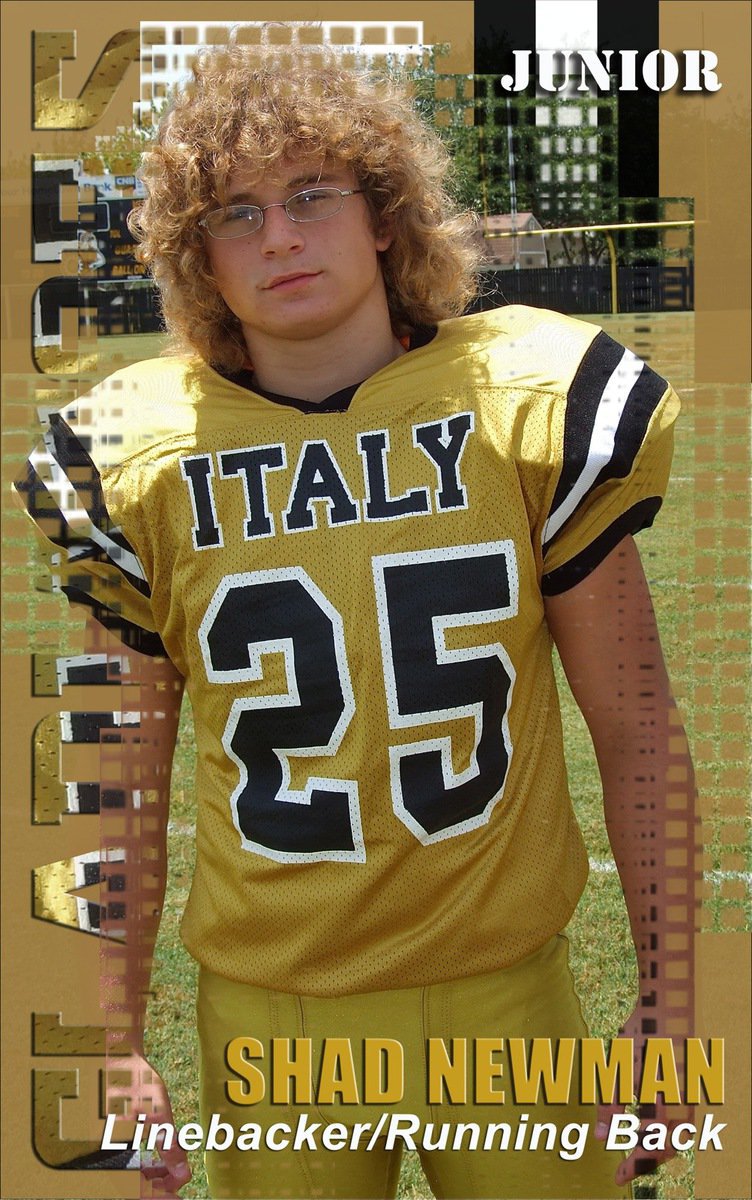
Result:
[355,599]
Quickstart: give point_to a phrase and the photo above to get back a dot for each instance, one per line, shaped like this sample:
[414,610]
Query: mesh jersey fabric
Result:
[356,600]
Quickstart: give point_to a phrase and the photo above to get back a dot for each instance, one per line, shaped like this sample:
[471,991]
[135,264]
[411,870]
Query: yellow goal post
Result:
[606,230]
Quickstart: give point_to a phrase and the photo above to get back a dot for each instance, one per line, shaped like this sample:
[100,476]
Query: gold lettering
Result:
[285,1070]
[384,1068]
[49,793]
[599,1071]
[705,1074]
[659,1057]
[51,109]
[253,1086]
[556,1081]
[337,1076]
[487,1070]
[53,884]
[49,1089]
[445,1072]
[50,1036]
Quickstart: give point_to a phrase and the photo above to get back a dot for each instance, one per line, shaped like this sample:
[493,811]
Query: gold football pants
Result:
[533,999]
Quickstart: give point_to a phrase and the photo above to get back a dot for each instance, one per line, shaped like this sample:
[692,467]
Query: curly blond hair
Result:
[259,105]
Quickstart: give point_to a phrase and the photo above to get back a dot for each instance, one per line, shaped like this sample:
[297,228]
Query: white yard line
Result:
[607,867]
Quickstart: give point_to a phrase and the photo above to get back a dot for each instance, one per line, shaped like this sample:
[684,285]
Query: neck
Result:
[313,368]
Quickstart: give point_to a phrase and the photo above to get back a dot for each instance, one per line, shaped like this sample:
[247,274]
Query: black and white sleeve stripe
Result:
[101,540]
[609,408]
[62,492]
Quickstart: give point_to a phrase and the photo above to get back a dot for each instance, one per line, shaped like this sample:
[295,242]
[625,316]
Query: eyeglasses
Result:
[314,204]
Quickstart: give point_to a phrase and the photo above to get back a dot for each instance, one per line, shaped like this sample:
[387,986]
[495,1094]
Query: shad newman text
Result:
[533,1064]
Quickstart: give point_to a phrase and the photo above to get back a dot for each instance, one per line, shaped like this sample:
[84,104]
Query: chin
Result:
[300,327]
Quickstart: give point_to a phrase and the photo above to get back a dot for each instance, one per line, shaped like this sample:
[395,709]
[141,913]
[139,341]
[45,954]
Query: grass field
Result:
[708,689]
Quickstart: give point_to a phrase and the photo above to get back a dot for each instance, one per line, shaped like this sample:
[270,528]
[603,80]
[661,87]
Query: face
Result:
[300,280]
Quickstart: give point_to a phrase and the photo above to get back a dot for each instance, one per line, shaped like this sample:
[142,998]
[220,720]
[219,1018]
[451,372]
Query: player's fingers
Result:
[168,1170]
[163,1190]
[657,1126]
[167,1178]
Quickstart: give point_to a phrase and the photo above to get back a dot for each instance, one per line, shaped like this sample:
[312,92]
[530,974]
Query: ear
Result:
[384,236]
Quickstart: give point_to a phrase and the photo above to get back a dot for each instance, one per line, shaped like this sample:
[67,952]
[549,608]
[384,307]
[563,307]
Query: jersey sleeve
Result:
[90,560]
[613,452]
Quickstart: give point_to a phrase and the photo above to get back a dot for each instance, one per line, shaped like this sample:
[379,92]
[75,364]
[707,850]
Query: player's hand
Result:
[136,1080]
[642,1161]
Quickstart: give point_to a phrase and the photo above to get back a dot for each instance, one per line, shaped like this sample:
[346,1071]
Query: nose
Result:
[278,234]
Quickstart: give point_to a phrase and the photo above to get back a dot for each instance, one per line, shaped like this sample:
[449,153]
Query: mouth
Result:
[294,279]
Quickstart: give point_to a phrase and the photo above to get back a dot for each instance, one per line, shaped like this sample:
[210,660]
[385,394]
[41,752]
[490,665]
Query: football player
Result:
[354,523]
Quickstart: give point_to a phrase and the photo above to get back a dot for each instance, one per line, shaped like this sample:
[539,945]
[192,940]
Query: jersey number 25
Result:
[419,596]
